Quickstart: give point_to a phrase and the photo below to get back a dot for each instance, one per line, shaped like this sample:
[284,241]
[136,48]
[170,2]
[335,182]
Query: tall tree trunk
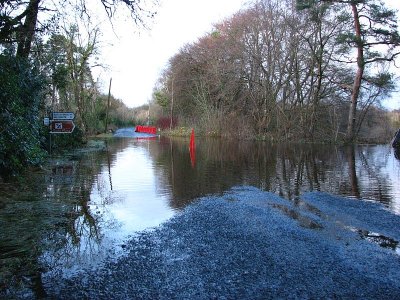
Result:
[350,136]
[28,29]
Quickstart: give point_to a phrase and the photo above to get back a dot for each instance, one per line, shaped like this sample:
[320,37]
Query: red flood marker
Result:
[192,149]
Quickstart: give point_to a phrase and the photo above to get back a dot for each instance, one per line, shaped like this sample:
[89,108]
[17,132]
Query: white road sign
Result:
[63,116]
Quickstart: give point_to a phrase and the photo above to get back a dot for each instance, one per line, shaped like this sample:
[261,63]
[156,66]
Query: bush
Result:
[64,141]
[21,95]
[165,122]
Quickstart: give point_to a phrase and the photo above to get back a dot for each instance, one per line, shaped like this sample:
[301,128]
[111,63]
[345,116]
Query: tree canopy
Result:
[277,71]
[45,66]
[19,19]
[375,38]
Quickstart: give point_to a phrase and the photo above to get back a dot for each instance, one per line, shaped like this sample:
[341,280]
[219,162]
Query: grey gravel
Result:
[250,244]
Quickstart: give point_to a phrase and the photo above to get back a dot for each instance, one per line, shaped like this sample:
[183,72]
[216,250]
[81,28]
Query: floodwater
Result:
[82,207]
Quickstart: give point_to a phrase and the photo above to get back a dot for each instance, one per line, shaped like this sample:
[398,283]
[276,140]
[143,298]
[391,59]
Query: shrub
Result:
[165,122]
[21,95]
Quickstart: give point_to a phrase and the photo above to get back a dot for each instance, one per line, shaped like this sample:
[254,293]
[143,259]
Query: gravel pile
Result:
[250,244]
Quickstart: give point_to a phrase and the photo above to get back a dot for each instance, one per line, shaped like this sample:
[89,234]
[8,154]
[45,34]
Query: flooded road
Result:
[84,206]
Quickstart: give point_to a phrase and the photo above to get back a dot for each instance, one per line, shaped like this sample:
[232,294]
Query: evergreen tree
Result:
[375,38]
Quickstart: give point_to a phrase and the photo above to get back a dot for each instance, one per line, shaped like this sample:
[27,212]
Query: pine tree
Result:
[374,37]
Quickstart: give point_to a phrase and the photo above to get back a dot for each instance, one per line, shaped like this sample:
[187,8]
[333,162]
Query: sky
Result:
[135,58]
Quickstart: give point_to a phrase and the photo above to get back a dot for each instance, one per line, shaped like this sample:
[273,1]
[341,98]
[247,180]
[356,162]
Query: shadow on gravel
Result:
[295,215]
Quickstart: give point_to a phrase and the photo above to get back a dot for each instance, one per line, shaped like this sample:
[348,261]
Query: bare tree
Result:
[18,19]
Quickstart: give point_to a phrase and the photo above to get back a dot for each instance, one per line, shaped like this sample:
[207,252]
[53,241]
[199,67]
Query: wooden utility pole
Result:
[108,105]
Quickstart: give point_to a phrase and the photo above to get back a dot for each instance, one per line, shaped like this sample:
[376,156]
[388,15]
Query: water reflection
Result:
[127,188]
[83,207]
[295,215]
[369,172]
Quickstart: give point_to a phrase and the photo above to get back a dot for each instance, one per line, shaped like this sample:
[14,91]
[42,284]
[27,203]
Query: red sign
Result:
[62,126]
[146,129]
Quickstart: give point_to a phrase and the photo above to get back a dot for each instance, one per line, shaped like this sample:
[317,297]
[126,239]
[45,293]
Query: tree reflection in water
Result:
[287,170]
[351,158]
[65,219]
[81,237]
[48,224]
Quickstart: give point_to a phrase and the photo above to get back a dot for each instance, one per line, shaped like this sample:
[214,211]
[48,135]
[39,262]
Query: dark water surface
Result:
[82,207]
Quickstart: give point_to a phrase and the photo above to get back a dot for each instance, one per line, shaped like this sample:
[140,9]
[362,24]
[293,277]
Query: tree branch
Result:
[388,59]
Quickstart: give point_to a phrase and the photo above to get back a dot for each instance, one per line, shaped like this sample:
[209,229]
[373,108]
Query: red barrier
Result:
[146,129]
[192,149]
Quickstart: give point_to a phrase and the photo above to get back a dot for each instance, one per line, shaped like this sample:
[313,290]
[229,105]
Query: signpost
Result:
[62,126]
[63,116]
[46,121]
[62,122]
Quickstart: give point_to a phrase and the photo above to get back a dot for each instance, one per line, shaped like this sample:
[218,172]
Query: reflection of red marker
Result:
[192,149]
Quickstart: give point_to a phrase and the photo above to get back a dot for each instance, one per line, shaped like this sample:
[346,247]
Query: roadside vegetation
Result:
[49,51]
[312,71]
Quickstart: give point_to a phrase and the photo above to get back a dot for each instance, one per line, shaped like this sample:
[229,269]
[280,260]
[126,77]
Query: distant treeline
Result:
[306,71]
